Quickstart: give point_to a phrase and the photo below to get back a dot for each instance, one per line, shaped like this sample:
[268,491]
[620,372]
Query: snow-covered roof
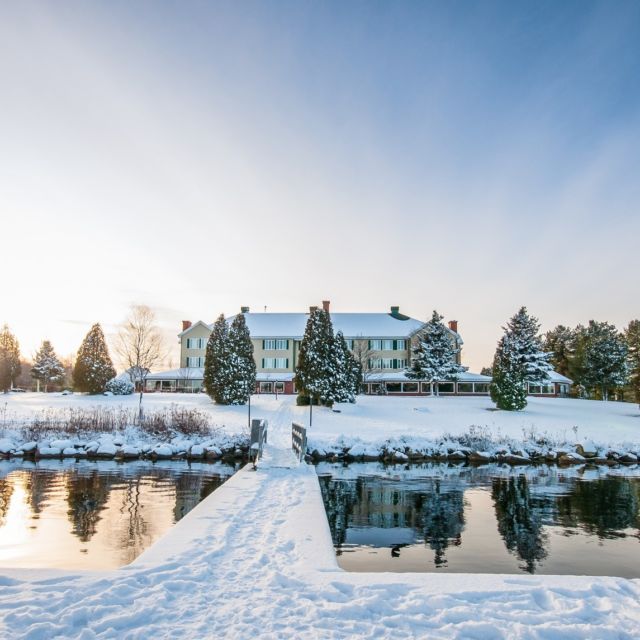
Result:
[286,376]
[352,325]
[185,373]
[554,376]
[400,376]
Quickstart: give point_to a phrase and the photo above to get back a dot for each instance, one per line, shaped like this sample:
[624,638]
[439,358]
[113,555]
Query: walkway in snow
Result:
[255,560]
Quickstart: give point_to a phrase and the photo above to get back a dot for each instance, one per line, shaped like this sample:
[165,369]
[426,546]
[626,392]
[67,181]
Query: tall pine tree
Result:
[508,388]
[519,360]
[47,367]
[243,366]
[9,359]
[434,357]
[347,378]
[93,367]
[218,366]
[604,360]
[559,343]
[316,366]
[632,337]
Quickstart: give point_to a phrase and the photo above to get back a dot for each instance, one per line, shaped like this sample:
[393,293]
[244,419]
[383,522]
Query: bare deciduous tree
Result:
[140,345]
[364,357]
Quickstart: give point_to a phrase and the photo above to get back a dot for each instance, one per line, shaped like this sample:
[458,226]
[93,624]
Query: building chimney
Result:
[244,309]
[395,311]
[312,309]
[186,324]
[325,305]
[453,325]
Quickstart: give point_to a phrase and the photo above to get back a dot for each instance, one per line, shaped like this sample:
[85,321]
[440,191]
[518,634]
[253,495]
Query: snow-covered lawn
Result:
[375,418]
[255,559]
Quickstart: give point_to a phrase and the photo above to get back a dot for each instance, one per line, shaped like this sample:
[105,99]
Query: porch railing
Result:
[299,440]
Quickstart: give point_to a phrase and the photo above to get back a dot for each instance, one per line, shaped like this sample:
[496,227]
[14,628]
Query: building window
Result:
[465,387]
[446,387]
[195,361]
[387,345]
[480,387]
[279,387]
[426,387]
[282,344]
[394,387]
[196,343]
[400,345]
[268,345]
[202,343]
[266,387]
[375,345]
[275,363]
[410,387]
[349,342]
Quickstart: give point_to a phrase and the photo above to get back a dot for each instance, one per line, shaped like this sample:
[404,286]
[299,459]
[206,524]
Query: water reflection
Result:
[94,514]
[489,519]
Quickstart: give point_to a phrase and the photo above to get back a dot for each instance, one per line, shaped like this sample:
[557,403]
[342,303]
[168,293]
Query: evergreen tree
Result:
[559,342]
[486,371]
[218,365]
[9,359]
[508,388]
[243,366]
[519,360]
[434,358]
[605,358]
[316,359]
[347,379]
[93,367]
[632,338]
[47,367]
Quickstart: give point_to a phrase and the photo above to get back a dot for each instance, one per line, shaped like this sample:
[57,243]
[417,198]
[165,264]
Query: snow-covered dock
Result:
[255,559]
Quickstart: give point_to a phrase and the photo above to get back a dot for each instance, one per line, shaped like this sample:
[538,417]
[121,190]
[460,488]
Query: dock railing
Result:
[299,440]
[259,429]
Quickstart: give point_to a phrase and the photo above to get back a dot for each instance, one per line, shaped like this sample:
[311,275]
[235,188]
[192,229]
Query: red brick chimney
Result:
[453,325]
[186,324]
[325,305]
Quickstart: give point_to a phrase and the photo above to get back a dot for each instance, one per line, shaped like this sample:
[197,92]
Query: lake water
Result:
[95,515]
[488,519]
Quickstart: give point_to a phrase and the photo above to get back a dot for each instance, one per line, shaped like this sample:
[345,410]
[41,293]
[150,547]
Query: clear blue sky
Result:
[199,156]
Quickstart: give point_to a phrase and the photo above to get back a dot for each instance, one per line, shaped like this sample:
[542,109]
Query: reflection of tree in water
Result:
[442,519]
[603,507]
[6,491]
[520,520]
[339,497]
[87,495]
[40,485]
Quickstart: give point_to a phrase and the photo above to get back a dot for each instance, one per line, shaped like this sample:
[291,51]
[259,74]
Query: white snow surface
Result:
[255,559]
[374,420]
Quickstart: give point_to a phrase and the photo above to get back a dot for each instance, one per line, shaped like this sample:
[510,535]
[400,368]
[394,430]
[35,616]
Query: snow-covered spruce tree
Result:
[346,382]
[508,388]
[243,366]
[519,360]
[316,368]
[434,358]
[604,362]
[218,365]
[9,359]
[93,367]
[47,367]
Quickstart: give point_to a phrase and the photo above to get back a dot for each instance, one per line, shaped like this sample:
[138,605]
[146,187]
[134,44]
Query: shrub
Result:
[120,386]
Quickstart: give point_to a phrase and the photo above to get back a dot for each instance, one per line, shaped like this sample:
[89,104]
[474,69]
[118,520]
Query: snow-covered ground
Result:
[374,419]
[255,559]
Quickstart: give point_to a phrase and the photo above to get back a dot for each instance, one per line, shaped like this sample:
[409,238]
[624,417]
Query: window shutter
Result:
[287,347]
[286,366]
[263,362]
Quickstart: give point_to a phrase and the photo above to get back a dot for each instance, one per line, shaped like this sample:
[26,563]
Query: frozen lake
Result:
[490,519]
[94,515]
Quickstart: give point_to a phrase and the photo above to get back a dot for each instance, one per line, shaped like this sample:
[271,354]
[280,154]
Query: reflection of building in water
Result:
[437,515]
[40,485]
